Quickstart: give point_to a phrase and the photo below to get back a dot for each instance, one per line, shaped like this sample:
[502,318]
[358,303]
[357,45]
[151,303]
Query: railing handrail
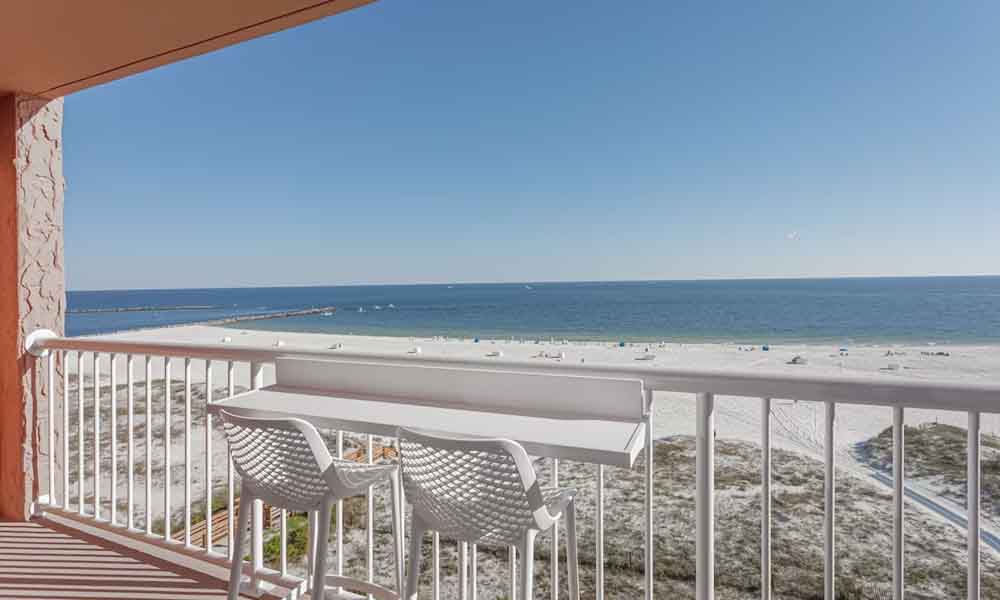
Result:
[844,389]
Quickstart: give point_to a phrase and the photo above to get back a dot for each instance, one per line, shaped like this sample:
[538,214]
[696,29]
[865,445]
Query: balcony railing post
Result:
[187,451]
[97,435]
[50,390]
[340,515]
[463,571]
[209,481]
[167,480]
[370,515]
[65,430]
[369,518]
[257,518]
[230,478]
[829,492]
[256,375]
[765,499]
[554,560]
[599,536]
[148,417]
[650,456]
[79,438]
[130,450]
[898,494]
[705,500]
[113,372]
[973,502]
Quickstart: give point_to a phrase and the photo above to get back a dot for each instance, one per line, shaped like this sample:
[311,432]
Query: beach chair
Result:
[286,464]
[481,491]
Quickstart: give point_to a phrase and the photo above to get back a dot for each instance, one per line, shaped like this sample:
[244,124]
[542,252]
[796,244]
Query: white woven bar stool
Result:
[481,491]
[285,463]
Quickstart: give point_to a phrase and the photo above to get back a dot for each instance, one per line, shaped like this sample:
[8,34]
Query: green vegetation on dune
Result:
[935,550]
[298,532]
[935,561]
[298,539]
[937,451]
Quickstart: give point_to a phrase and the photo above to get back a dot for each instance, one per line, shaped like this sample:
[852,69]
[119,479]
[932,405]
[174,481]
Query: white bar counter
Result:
[586,419]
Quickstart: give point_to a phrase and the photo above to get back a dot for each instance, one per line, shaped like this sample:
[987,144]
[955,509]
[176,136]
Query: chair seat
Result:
[359,476]
[557,499]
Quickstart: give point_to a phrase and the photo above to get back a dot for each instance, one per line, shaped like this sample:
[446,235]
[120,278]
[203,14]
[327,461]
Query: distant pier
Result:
[233,319]
[124,309]
[223,321]
[271,315]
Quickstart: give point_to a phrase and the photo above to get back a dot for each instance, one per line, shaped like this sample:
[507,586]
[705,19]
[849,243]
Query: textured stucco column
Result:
[32,285]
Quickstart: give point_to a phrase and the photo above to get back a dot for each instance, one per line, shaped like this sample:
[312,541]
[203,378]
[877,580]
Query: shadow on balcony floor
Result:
[47,560]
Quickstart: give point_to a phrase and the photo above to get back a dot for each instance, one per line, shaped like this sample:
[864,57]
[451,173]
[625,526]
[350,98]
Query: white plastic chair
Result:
[481,491]
[286,464]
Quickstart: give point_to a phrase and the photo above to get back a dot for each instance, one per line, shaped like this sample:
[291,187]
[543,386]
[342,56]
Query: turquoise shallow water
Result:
[927,309]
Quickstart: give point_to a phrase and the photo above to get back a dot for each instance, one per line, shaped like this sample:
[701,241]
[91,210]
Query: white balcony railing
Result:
[75,356]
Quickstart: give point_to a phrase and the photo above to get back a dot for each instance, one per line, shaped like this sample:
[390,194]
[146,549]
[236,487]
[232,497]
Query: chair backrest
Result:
[481,491]
[284,462]
[494,390]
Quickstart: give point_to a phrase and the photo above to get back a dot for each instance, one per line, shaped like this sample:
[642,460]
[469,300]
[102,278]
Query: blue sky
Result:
[444,141]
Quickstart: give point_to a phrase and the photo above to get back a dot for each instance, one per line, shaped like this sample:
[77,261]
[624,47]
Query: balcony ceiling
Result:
[54,47]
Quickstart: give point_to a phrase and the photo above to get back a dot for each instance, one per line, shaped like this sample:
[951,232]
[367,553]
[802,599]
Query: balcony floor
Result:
[42,559]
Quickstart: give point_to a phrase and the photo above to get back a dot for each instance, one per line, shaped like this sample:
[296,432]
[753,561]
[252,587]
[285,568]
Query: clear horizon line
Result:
[544,282]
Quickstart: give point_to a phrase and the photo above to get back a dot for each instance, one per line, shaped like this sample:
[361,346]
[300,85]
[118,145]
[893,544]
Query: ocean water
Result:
[868,310]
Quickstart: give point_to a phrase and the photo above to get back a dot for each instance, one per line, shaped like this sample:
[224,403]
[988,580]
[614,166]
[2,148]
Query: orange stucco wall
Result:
[32,288]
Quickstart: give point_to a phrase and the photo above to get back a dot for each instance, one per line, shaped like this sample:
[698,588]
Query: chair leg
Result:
[311,543]
[572,561]
[413,569]
[242,523]
[397,530]
[527,551]
[322,541]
